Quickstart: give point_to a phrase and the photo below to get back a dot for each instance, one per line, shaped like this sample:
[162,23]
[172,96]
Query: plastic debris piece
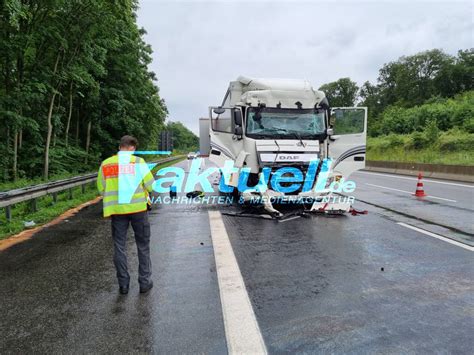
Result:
[29,224]
[355,212]
[194,194]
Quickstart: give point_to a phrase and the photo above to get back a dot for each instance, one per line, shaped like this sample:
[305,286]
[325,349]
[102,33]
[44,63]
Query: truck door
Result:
[225,143]
[347,144]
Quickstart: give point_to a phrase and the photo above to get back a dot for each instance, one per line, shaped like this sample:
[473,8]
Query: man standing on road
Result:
[124,181]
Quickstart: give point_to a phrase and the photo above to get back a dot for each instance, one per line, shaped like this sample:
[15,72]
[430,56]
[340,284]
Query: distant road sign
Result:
[166,141]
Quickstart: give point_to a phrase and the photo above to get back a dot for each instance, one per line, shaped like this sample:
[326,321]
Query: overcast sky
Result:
[199,46]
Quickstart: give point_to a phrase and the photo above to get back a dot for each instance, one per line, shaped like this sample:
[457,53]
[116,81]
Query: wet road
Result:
[448,207]
[363,284]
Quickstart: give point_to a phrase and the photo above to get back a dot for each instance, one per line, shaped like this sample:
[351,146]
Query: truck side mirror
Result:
[238,117]
[329,131]
[238,131]
[218,110]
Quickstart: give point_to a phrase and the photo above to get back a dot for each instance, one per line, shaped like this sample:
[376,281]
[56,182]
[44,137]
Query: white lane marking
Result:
[415,179]
[288,219]
[437,236]
[408,192]
[241,328]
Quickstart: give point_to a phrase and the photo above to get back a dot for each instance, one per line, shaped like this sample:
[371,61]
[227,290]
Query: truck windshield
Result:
[285,123]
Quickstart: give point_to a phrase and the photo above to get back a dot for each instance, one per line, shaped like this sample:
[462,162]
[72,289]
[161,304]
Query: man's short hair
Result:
[128,141]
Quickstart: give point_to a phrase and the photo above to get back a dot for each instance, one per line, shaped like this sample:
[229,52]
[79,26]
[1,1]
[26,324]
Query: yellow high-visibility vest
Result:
[108,184]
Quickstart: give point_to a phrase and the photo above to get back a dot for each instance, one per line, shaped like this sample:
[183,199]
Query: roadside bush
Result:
[447,113]
[462,114]
[469,125]
[418,141]
[462,108]
[440,113]
[432,131]
[392,141]
[455,141]
[395,141]
[394,120]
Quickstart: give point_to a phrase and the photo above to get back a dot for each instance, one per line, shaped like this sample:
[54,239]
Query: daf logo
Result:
[288,157]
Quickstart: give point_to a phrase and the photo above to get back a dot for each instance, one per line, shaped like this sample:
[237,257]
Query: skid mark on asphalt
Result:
[437,236]
[241,328]
[408,192]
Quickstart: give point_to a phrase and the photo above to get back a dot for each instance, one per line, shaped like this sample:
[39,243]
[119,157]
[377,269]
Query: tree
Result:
[456,77]
[410,80]
[341,93]
[369,96]
[73,65]
[183,138]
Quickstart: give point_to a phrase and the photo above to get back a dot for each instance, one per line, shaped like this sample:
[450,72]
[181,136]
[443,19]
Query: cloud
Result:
[200,46]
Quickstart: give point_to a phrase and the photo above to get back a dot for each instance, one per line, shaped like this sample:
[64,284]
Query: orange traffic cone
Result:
[420,192]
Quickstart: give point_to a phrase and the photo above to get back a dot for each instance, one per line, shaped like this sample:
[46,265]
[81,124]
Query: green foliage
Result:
[442,113]
[426,78]
[456,140]
[341,93]
[430,82]
[468,125]
[418,141]
[432,131]
[390,141]
[183,139]
[74,79]
[454,146]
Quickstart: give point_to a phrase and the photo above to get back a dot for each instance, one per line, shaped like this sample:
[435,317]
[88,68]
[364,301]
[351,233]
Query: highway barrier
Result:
[438,171]
[31,193]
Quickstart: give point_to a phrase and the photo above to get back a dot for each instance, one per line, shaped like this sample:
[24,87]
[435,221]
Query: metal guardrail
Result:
[463,173]
[31,193]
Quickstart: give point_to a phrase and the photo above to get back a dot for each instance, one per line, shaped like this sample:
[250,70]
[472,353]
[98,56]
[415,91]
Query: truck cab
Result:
[274,123]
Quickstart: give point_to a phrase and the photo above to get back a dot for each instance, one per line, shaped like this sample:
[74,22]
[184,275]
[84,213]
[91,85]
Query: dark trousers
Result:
[141,229]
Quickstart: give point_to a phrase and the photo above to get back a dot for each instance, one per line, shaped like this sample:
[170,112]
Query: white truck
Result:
[274,123]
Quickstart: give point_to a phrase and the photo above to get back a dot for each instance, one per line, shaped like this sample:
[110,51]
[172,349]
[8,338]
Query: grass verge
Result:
[454,147]
[47,210]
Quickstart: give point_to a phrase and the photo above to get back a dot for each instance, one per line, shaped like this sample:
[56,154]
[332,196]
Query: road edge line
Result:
[437,236]
[243,334]
[414,178]
[411,193]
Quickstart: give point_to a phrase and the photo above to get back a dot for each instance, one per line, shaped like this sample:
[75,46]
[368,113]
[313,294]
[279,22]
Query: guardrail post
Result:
[83,188]
[55,197]
[70,193]
[8,213]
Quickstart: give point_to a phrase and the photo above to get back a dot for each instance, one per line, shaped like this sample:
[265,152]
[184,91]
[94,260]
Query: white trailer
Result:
[274,123]
[204,137]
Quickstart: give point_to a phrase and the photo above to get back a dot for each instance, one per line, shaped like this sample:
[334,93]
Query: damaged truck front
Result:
[283,135]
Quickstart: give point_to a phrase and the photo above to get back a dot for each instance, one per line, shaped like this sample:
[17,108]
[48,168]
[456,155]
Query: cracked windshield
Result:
[281,123]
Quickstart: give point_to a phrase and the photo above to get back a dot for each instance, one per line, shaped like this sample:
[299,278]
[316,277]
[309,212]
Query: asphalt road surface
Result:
[397,280]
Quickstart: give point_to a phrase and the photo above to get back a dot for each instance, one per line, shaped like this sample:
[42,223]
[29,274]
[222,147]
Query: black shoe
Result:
[145,289]
[123,290]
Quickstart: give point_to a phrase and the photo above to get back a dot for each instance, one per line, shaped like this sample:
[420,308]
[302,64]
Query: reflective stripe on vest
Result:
[115,202]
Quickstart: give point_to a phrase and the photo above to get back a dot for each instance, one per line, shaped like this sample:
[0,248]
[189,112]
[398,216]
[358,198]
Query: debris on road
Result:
[29,224]
[355,212]
[194,194]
